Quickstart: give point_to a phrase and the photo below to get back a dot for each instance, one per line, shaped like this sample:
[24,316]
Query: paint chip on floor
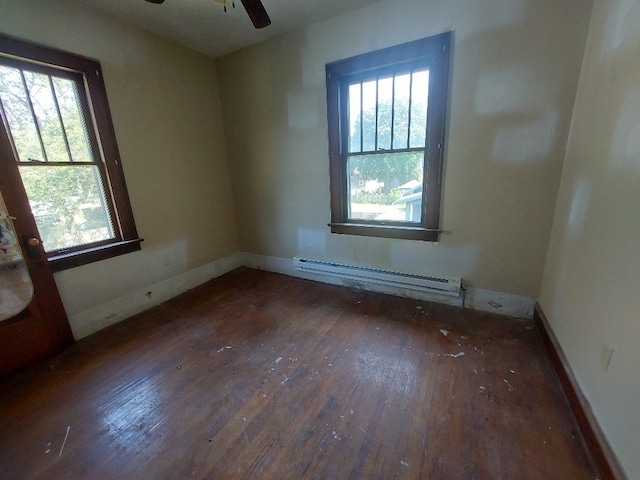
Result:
[455,355]
[444,332]
[403,463]
[278,360]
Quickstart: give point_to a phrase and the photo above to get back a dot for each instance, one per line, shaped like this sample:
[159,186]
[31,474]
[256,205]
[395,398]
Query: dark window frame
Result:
[432,51]
[15,51]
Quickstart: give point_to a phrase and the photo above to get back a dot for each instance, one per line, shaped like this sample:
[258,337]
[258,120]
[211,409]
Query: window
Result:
[58,133]
[387,114]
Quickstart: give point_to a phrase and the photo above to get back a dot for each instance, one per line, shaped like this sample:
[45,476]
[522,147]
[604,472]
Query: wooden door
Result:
[42,328]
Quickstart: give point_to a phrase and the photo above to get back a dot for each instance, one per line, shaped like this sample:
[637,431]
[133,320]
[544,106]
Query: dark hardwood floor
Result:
[259,375]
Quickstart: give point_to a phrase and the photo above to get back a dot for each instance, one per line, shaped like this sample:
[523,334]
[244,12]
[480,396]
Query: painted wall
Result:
[515,71]
[165,105]
[589,291]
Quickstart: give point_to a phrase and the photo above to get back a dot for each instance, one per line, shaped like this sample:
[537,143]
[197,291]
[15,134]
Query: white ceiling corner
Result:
[204,26]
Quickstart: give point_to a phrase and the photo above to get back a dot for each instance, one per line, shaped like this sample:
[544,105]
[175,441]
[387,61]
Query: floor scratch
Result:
[65,440]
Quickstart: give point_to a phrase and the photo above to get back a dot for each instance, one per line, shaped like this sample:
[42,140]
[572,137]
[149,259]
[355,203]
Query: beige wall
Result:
[592,273]
[166,112]
[515,71]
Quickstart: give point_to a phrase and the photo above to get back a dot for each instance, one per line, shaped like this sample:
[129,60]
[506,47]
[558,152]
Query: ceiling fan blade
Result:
[156,1]
[257,13]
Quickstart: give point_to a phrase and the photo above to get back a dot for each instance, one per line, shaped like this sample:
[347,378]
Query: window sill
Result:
[64,261]
[387,231]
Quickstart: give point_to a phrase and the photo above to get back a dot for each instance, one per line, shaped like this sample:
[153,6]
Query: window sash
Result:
[399,103]
[35,89]
[386,209]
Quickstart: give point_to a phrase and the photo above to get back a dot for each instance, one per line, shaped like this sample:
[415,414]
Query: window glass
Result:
[16,109]
[401,96]
[355,130]
[382,186]
[68,204]
[419,102]
[385,97]
[367,119]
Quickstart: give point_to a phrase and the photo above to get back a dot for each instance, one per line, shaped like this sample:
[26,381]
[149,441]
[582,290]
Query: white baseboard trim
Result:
[502,303]
[96,318]
[475,298]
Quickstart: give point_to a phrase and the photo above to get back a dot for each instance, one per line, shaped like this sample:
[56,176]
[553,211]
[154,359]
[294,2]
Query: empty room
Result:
[319,239]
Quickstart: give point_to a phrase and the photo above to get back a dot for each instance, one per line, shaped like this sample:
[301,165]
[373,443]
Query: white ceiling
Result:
[204,26]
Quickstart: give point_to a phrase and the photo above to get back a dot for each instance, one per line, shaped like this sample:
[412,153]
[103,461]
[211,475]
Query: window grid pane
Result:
[368,118]
[418,112]
[20,118]
[385,94]
[46,113]
[75,125]
[355,112]
[401,96]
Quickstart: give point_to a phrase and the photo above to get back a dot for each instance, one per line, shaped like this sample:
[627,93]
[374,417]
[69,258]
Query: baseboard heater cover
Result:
[443,286]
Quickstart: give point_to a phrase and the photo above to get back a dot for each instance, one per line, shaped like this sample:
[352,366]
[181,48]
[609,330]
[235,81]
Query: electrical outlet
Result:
[605,356]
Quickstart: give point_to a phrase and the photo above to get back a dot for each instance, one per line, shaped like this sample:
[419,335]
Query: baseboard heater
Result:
[443,286]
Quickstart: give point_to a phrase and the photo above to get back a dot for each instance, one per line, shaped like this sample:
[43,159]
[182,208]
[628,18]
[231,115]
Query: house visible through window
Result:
[387,114]
[56,120]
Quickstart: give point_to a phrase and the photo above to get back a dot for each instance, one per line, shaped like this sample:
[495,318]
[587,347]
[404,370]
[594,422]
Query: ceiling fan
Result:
[254,8]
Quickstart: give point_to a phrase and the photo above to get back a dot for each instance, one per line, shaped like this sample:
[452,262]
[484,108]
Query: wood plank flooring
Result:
[259,375]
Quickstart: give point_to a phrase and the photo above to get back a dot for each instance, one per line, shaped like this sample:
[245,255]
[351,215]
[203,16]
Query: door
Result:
[41,328]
